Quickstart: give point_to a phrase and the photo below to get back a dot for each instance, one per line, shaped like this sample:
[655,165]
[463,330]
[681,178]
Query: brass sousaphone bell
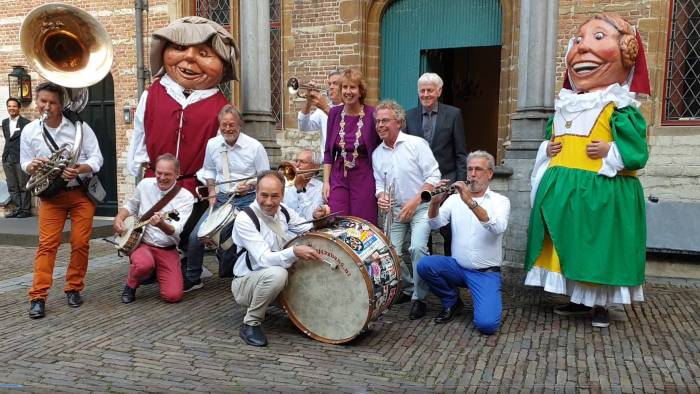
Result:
[70,48]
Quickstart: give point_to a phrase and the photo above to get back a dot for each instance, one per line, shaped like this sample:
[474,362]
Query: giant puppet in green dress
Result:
[587,230]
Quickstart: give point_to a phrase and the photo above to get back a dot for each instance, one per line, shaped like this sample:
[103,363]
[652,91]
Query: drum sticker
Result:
[353,242]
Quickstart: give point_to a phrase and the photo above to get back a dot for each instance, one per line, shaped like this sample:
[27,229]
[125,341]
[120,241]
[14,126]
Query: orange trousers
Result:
[53,213]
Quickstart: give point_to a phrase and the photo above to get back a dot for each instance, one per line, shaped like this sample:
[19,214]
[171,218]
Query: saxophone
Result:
[50,170]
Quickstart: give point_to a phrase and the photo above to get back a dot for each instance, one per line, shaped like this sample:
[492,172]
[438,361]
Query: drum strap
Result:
[161,203]
[256,221]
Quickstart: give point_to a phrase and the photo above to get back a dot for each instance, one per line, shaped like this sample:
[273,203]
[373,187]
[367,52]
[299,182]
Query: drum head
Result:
[329,301]
[218,218]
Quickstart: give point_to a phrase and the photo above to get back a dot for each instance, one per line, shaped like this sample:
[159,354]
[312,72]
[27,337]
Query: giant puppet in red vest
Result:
[587,232]
[178,113]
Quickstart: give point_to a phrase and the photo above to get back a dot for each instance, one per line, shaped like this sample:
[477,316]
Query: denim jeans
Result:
[420,230]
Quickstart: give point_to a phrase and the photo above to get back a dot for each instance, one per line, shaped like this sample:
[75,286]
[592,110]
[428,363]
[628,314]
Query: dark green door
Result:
[99,114]
[412,26]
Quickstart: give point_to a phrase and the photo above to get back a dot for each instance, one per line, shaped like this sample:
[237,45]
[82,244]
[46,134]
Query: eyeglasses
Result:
[384,120]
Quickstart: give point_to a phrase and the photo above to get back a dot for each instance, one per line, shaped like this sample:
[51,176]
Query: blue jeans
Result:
[445,276]
[195,249]
[420,231]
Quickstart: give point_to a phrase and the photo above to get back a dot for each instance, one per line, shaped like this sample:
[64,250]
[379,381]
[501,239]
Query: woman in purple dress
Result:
[348,180]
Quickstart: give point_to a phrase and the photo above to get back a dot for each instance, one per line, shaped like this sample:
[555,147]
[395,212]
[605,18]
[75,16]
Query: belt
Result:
[171,247]
[490,269]
[76,187]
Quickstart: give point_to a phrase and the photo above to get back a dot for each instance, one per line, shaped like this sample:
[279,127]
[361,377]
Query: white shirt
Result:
[475,245]
[33,145]
[147,194]
[305,203]
[247,157]
[137,154]
[13,125]
[315,121]
[260,245]
[409,165]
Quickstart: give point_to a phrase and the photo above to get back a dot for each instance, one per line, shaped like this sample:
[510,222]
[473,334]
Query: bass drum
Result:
[334,301]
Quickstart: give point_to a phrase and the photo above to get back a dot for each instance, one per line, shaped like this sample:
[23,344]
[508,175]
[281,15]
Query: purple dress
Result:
[352,195]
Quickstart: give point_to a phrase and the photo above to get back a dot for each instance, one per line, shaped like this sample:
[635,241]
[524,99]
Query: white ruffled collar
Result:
[571,102]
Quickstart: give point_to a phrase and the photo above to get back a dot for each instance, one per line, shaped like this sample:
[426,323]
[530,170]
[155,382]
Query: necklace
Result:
[568,122]
[350,164]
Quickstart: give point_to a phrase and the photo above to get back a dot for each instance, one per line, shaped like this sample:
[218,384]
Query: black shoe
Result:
[601,318]
[128,295]
[36,309]
[402,299]
[447,314]
[253,335]
[417,310]
[23,214]
[572,309]
[12,214]
[189,286]
[74,299]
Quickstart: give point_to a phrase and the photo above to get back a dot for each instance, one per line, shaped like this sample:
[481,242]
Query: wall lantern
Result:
[20,84]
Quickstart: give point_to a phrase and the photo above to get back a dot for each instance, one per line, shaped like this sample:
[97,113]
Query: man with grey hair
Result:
[318,119]
[406,162]
[304,194]
[230,155]
[441,125]
[478,217]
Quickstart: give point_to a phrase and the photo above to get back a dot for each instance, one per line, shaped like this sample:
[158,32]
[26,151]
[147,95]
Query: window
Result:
[682,79]
[276,61]
[220,12]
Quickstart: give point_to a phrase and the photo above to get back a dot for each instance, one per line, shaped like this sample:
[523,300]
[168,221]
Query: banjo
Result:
[127,242]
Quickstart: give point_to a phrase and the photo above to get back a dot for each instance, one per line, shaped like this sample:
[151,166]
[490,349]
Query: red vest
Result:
[199,124]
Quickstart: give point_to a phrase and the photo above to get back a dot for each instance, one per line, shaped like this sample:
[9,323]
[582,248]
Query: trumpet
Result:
[427,195]
[293,87]
[389,214]
[289,171]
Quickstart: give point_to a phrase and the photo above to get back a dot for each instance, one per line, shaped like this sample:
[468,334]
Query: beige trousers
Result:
[257,290]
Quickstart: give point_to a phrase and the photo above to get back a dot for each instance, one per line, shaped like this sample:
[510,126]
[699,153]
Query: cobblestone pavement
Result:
[106,346]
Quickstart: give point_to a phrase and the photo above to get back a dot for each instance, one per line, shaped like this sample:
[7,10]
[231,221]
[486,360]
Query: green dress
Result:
[588,227]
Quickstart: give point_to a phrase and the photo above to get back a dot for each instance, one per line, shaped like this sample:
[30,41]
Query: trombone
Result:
[293,87]
[289,171]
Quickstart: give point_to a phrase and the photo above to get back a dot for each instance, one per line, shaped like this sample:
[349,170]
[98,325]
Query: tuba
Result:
[68,47]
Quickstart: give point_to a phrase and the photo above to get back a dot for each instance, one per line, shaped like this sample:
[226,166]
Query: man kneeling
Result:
[154,197]
[260,232]
[479,218]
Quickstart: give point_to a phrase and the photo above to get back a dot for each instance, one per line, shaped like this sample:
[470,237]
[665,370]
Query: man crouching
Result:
[260,232]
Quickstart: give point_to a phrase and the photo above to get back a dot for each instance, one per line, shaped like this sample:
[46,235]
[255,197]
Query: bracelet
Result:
[473,206]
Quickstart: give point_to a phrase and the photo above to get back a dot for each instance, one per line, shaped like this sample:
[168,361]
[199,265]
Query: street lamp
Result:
[19,83]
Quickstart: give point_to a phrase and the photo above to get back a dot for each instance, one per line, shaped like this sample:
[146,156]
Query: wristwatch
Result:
[473,205]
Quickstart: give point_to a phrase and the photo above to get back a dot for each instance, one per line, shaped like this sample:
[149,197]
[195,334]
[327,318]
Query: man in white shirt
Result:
[406,162]
[318,119]
[260,233]
[478,217]
[304,195]
[158,248]
[72,199]
[230,155]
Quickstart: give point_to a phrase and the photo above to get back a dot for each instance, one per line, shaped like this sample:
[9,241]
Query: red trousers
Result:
[52,217]
[166,262]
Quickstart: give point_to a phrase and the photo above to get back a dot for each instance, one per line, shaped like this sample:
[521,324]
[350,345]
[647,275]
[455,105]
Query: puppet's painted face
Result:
[595,60]
[193,67]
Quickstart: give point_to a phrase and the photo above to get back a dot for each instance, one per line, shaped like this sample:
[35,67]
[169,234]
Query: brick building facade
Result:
[318,35]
